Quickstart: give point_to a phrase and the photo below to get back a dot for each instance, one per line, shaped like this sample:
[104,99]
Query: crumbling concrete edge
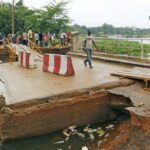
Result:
[2,93]
[68,94]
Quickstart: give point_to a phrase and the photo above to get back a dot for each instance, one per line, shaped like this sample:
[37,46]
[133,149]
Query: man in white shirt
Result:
[36,37]
[63,37]
[88,43]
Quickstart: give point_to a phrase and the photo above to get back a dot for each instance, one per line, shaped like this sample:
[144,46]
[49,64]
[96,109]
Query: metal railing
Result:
[136,47]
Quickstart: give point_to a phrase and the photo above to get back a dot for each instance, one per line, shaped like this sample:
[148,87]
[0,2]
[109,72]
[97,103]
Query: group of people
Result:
[38,38]
[42,39]
[65,39]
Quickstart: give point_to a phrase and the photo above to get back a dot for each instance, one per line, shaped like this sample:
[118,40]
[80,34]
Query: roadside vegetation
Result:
[120,47]
[107,29]
[123,47]
[52,17]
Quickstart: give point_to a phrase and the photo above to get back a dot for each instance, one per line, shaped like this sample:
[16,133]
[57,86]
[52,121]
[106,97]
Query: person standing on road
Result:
[63,38]
[36,37]
[88,43]
[24,39]
[41,39]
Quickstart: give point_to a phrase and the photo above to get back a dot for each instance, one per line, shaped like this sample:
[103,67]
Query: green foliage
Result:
[19,3]
[21,12]
[52,17]
[5,18]
[107,29]
[122,47]
[81,29]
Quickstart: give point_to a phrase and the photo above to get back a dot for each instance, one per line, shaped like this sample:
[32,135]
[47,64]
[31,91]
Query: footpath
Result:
[135,61]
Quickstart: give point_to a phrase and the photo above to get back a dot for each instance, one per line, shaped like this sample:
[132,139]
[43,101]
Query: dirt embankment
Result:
[131,135]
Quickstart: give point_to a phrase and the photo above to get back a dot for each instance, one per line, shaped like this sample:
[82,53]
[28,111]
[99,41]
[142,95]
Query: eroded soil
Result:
[133,134]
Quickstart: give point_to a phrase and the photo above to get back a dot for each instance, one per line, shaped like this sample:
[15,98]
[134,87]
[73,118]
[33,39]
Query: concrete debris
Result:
[77,134]
[72,132]
[87,133]
[89,130]
[84,148]
[107,135]
[111,126]
[67,138]
[81,135]
[59,142]
[67,132]
[72,127]
[69,147]
[99,128]
[91,137]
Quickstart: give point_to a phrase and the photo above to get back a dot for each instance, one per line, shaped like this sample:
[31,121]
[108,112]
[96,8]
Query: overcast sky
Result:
[96,12]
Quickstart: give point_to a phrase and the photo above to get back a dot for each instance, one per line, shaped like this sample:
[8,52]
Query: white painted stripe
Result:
[32,63]
[17,49]
[24,59]
[19,58]
[51,63]
[63,65]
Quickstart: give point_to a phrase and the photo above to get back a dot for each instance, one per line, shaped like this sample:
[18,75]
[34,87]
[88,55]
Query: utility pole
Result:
[13,16]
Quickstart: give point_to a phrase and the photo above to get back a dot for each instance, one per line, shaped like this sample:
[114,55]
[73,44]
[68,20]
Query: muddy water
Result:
[57,141]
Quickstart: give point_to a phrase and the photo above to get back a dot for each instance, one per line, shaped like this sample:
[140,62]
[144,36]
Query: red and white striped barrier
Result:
[58,64]
[26,60]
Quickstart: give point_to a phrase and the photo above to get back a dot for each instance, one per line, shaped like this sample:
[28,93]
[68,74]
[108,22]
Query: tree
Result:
[5,17]
[52,17]
[20,3]
[107,29]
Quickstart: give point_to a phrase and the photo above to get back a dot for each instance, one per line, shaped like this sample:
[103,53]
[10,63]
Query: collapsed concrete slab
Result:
[39,102]
[57,112]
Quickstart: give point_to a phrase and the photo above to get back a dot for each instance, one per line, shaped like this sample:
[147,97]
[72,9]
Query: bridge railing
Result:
[136,47]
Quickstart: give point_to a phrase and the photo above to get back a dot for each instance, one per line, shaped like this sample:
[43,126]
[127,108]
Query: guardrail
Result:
[136,47]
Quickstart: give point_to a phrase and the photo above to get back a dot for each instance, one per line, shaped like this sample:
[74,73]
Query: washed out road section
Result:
[26,84]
